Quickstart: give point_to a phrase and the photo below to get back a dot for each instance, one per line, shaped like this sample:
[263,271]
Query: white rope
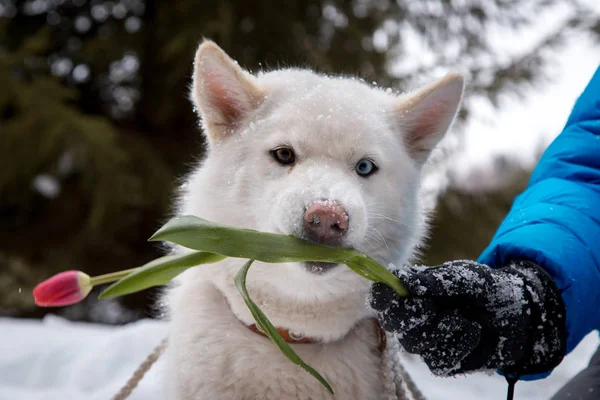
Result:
[402,383]
[387,375]
[409,382]
[141,371]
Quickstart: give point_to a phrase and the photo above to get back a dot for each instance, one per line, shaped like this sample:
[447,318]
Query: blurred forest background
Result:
[96,126]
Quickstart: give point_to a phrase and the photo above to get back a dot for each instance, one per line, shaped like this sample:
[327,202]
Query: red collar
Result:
[289,337]
[285,334]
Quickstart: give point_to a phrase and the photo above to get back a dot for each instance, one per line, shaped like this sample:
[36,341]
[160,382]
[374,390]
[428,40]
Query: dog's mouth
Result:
[318,267]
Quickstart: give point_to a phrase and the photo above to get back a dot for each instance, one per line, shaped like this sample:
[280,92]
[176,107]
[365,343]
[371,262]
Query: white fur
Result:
[331,123]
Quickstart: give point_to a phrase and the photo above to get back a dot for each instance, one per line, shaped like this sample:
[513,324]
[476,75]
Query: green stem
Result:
[111,277]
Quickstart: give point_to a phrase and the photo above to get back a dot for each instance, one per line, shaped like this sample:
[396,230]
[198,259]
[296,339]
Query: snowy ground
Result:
[57,359]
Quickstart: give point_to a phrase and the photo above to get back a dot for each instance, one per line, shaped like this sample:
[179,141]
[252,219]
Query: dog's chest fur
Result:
[216,357]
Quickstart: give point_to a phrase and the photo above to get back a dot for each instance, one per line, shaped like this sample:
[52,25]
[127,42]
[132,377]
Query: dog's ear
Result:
[426,115]
[222,92]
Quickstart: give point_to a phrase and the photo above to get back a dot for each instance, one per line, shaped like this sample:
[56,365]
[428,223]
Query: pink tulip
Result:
[63,289]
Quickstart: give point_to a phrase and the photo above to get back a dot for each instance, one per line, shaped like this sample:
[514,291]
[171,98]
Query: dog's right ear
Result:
[222,92]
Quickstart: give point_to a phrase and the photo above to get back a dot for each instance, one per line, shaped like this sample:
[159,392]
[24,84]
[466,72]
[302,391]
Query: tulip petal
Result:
[62,289]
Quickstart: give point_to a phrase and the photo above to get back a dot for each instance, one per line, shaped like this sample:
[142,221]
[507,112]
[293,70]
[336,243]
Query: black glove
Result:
[463,316]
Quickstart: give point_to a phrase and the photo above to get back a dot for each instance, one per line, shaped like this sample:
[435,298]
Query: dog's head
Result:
[329,159]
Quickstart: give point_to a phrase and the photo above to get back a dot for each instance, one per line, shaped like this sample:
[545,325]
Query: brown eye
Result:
[284,155]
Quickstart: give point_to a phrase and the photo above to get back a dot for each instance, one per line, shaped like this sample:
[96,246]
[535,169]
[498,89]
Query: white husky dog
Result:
[329,159]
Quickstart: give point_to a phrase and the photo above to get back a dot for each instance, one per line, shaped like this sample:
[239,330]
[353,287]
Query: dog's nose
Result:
[325,221]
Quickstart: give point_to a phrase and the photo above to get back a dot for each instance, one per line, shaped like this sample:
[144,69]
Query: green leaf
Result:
[369,269]
[267,327]
[158,272]
[199,234]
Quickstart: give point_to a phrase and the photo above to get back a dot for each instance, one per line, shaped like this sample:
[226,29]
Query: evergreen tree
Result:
[95,122]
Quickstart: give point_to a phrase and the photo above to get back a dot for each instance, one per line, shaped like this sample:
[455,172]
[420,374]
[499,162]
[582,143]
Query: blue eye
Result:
[365,167]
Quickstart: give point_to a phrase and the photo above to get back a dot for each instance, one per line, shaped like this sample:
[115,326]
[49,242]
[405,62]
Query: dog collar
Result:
[285,334]
[290,337]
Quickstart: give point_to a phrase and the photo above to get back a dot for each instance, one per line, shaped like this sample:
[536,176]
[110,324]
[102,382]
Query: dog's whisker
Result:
[382,216]
[383,238]
[375,238]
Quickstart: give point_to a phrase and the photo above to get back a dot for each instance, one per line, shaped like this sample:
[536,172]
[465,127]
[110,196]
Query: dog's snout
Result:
[326,222]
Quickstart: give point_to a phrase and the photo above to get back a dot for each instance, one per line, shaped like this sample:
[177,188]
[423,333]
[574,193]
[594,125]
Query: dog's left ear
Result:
[223,93]
[426,115]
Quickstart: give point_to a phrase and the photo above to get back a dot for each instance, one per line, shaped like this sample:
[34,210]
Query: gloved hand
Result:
[463,316]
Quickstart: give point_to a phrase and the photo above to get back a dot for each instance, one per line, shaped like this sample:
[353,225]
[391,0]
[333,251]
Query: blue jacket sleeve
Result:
[555,222]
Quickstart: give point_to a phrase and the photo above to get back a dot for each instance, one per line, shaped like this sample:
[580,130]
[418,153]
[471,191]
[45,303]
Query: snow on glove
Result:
[464,316]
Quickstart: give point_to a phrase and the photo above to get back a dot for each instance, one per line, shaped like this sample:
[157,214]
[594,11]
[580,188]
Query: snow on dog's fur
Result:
[326,126]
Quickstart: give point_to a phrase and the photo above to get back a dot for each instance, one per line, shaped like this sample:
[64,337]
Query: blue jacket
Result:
[555,222]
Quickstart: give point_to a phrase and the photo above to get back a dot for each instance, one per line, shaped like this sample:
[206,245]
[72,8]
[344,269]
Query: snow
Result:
[57,359]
